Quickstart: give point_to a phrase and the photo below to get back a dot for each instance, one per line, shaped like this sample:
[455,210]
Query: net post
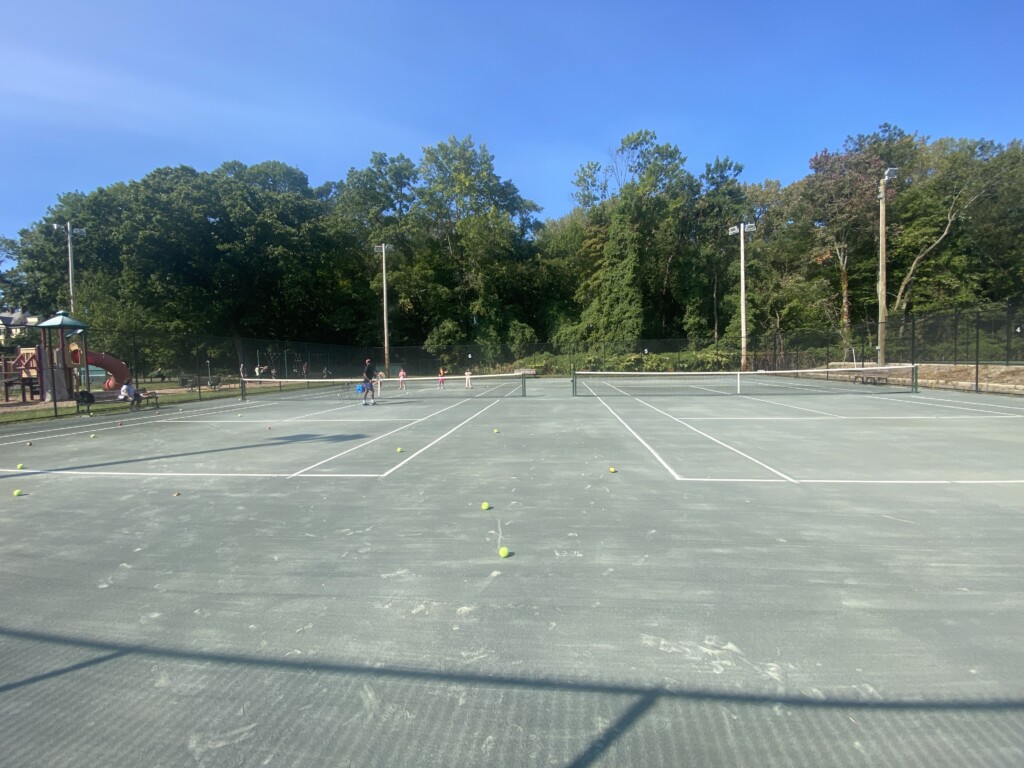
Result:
[574,382]
[522,388]
[241,387]
[738,386]
[913,379]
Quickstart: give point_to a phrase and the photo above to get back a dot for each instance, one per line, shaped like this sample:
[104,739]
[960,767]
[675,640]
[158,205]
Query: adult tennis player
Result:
[369,377]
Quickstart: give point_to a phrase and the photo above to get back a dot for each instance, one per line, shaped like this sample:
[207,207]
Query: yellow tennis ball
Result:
[92,436]
[495,429]
[613,470]
[17,492]
[398,450]
[21,466]
[485,505]
[503,552]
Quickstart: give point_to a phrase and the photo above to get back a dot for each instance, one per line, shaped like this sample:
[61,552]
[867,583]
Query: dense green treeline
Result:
[251,251]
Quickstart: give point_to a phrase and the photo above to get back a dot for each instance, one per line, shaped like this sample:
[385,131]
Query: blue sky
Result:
[96,93]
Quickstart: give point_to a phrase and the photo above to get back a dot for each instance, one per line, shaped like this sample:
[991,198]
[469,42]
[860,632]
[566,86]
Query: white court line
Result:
[375,439]
[643,442]
[719,442]
[731,479]
[318,413]
[435,442]
[915,400]
[795,407]
[896,417]
[930,398]
[67,429]
[143,474]
[900,520]
[913,482]
[663,463]
[273,476]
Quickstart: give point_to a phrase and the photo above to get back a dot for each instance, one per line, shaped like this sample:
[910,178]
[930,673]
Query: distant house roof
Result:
[13,323]
[17,317]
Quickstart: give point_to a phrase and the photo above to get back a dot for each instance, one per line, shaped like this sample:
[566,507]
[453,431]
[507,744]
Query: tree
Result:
[949,179]
[839,197]
[472,230]
[10,285]
[783,293]
[614,311]
[591,185]
[992,235]
[715,266]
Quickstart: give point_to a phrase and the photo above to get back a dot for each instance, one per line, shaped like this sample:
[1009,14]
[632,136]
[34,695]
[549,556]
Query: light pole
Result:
[382,249]
[890,173]
[70,231]
[741,230]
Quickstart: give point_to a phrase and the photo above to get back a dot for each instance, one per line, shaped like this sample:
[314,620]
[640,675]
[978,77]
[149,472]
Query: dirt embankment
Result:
[1005,379]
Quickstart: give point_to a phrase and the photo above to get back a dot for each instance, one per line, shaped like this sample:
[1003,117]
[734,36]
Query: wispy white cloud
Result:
[47,89]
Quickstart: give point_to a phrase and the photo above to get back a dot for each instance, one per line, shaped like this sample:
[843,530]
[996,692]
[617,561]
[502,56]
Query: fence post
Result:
[1009,330]
[956,333]
[977,349]
[913,340]
[199,372]
[135,369]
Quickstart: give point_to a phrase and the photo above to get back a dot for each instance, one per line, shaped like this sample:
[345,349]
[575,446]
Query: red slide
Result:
[118,371]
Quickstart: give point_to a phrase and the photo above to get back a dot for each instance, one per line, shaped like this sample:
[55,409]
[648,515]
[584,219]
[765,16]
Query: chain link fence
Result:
[195,367]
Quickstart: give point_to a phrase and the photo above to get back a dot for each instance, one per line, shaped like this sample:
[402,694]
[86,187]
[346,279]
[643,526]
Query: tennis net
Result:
[412,387]
[813,381]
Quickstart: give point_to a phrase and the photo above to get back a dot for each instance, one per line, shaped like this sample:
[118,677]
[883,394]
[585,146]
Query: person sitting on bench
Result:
[131,395]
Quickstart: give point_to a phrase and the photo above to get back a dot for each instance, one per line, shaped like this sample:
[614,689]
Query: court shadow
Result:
[635,702]
[309,438]
[273,442]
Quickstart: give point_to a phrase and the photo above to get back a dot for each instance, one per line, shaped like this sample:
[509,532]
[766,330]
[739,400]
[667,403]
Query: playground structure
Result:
[28,370]
[22,372]
[117,369]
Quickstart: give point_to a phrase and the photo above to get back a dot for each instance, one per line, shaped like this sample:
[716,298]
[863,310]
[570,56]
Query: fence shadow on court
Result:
[641,699]
[273,442]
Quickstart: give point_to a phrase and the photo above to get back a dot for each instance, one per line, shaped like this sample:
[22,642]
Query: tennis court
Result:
[771,579]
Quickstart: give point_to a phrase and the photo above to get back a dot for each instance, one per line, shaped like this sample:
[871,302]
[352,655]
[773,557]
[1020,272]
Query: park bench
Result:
[27,385]
[870,378]
[111,396]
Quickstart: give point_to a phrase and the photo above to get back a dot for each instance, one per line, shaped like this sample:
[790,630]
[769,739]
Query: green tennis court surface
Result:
[296,579]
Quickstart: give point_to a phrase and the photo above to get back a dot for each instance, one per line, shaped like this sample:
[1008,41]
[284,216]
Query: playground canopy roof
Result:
[62,320]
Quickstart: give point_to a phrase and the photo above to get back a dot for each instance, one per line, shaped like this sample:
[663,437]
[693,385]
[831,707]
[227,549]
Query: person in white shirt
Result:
[130,395]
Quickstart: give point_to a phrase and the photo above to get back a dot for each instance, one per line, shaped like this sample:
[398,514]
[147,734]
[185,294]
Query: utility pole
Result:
[71,232]
[890,173]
